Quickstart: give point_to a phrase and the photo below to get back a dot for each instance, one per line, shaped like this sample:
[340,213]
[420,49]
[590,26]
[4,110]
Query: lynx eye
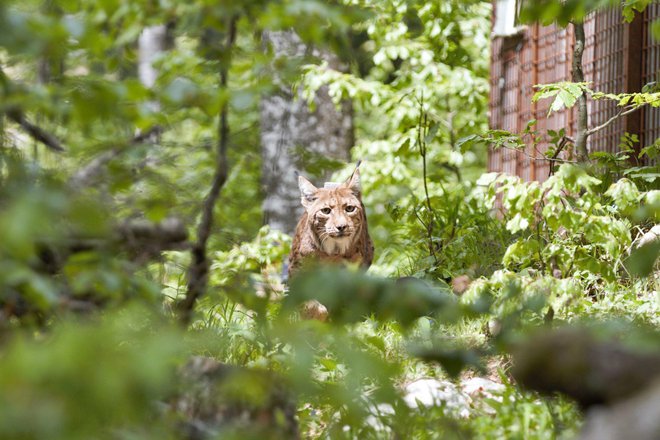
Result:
[326,211]
[350,208]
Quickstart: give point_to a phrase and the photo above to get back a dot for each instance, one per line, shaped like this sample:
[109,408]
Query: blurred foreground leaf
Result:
[642,260]
[351,296]
[88,380]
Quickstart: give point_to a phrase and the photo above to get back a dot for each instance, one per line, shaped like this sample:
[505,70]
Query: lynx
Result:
[333,229]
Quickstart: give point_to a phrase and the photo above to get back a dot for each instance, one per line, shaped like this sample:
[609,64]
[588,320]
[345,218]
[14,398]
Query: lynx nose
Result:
[341,228]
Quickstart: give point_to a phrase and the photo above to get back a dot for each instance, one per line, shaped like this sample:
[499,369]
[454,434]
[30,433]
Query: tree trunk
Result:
[289,128]
[578,76]
[153,41]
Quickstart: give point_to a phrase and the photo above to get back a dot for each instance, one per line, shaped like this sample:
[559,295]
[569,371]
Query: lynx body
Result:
[333,229]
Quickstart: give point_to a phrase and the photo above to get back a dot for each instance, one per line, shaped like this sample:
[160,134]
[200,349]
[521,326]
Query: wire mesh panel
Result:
[504,99]
[553,64]
[650,73]
[604,67]
[510,108]
[538,56]
[528,78]
[615,60]
[495,120]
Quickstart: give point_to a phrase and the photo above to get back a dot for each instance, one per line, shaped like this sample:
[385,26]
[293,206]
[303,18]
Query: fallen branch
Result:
[138,240]
[145,240]
[141,239]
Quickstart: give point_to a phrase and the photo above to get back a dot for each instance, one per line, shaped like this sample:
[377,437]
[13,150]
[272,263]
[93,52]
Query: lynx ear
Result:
[307,191]
[353,182]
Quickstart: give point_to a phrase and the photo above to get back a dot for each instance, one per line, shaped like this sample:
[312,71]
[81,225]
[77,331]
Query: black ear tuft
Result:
[353,182]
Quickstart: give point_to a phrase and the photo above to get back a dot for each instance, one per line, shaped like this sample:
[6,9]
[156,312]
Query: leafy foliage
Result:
[564,12]
[94,248]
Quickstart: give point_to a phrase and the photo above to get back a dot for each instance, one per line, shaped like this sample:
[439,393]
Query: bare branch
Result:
[623,112]
[542,158]
[84,176]
[35,132]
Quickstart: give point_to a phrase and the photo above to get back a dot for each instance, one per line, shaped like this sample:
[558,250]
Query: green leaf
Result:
[625,194]
[329,364]
[517,223]
[563,99]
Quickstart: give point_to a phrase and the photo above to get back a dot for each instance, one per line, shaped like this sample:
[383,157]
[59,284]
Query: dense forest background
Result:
[148,197]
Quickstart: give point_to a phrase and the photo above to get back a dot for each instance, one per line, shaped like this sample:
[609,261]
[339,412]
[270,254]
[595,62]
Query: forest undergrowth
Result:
[142,297]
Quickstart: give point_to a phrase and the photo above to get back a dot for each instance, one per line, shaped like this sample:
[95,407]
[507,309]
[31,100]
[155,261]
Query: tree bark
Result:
[582,114]
[289,127]
[152,42]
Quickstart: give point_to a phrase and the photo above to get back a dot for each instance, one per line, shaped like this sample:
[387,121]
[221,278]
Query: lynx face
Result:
[333,227]
[337,217]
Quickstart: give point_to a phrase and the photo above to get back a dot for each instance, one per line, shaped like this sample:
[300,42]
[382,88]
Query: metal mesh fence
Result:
[618,57]
[650,117]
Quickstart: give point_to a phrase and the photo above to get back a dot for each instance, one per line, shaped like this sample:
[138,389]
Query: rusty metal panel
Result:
[527,68]
[604,67]
[537,56]
[650,117]
[510,109]
[553,65]
[494,156]
[618,57]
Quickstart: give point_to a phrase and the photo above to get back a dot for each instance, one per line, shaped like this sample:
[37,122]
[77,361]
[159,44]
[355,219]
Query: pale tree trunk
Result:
[288,127]
[582,112]
[153,41]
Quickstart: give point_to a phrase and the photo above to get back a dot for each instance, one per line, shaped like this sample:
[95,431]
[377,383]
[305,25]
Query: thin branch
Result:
[449,123]
[623,112]
[546,159]
[84,176]
[422,131]
[35,132]
[199,267]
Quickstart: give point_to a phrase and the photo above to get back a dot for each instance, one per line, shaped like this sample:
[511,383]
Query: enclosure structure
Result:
[618,57]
